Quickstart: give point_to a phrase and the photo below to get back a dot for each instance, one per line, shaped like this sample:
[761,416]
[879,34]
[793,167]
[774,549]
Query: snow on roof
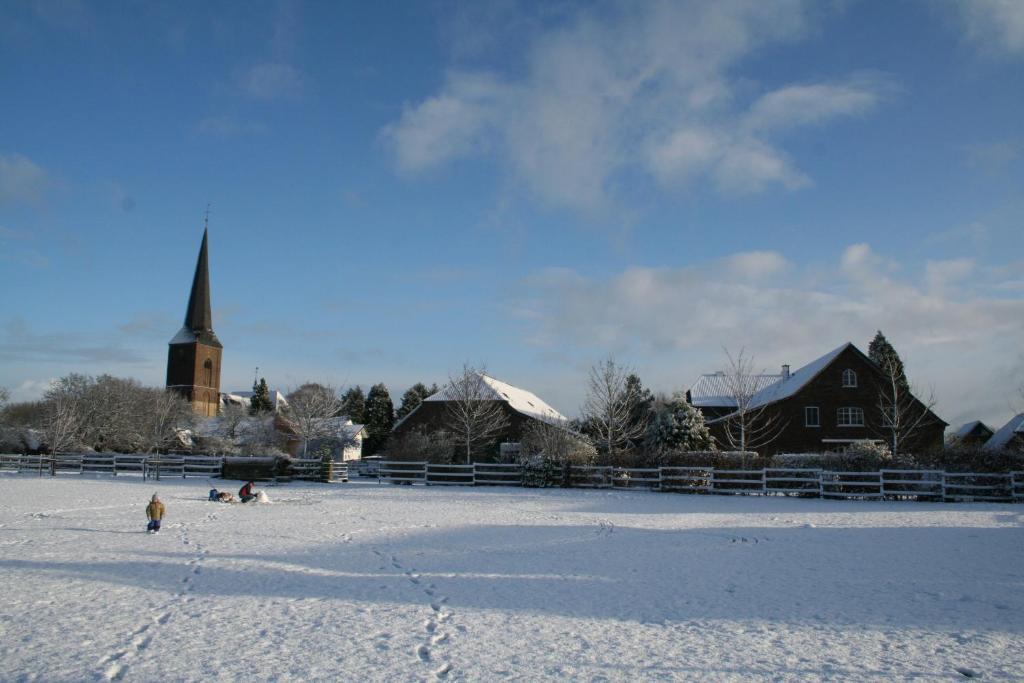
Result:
[277,399]
[969,427]
[1006,433]
[797,380]
[184,336]
[712,391]
[520,400]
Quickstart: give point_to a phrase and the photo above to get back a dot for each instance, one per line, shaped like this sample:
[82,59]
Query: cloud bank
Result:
[650,89]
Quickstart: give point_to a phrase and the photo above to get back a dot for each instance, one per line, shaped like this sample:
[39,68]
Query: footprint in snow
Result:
[423,652]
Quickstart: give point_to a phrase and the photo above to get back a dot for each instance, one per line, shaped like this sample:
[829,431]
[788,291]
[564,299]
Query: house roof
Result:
[1015,427]
[969,427]
[712,391]
[797,380]
[520,400]
[277,399]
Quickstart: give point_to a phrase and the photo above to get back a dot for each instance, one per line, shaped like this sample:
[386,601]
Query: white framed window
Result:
[812,416]
[849,379]
[850,417]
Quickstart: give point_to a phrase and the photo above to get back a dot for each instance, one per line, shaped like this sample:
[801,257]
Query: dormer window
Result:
[849,379]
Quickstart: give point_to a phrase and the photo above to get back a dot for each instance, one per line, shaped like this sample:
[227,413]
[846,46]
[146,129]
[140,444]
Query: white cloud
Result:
[646,87]
[995,26]
[676,320]
[271,81]
[20,179]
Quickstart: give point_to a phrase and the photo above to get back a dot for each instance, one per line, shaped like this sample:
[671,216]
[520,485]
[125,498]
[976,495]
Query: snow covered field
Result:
[377,582]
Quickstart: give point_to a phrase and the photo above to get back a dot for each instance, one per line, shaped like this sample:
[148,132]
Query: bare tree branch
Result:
[472,412]
[903,416]
[608,408]
[752,425]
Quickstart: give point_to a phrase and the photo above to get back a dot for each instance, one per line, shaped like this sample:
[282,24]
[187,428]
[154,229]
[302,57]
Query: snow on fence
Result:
[402,472]
[737,481]
[636,478]
[792,480]
[1017,486]
[590,476]
[687,479]
[851,485]
[885,484]
[497,474]
[983,487]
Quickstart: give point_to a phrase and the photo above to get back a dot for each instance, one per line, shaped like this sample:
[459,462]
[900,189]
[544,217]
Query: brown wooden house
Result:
[826,405]
[518,405]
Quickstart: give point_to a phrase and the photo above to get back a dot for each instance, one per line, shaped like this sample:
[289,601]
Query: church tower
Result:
[193,359]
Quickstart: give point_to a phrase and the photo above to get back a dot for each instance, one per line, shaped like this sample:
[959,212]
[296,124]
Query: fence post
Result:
[473,473]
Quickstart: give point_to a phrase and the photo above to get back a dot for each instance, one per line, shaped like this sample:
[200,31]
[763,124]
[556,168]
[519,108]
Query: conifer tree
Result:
[678,427]
[885,356]
[260,401]
[353,404]
[380,418]
[414,396]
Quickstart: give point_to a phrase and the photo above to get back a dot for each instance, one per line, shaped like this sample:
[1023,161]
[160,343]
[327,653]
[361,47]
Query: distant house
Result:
[519,406]
[971,434]
[242,398]
[828,404]
[339,436]
[1009,437]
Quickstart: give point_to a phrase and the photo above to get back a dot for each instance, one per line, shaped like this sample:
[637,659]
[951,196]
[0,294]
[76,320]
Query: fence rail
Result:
[932,485]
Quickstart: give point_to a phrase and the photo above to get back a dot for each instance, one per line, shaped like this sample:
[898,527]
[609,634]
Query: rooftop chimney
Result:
[785,372]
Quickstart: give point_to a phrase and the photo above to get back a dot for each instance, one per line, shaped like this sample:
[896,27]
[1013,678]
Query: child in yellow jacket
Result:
[154,513]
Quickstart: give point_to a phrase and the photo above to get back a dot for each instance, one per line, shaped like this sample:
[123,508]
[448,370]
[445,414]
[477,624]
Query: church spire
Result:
[198,316]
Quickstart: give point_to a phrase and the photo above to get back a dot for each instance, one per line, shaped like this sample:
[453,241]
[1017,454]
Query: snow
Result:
[712,391]
[520,400]
[184,336]
[1005,433]
[365,581]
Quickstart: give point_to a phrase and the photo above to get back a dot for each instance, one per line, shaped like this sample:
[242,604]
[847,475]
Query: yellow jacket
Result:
[155,510]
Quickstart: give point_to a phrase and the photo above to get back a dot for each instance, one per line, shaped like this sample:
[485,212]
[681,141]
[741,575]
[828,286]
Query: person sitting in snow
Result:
[214,493]
[154,513]
[247,492]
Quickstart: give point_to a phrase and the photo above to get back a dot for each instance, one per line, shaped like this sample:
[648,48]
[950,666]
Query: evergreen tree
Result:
[678,427]
[641,409]
[885,356]
[414,396]
[260,401]
[353,404]
[380,418]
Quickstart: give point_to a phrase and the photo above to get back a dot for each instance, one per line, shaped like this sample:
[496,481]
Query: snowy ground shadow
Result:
[838,576]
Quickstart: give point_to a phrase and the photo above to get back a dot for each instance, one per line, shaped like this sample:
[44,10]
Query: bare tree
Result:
[232,418]
[310,410]
[161,415]
[473,412]
[556,441]
[903,416]
[5,396]
[754,423]
[608,410]
[62,425]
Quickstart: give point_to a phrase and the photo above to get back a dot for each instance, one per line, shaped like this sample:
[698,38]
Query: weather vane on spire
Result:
[206,217]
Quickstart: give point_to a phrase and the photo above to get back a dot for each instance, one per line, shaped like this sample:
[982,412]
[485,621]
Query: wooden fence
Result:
[154,466]
[882,485]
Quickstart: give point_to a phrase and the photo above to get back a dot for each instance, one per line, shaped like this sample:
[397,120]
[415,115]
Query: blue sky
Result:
[402,188]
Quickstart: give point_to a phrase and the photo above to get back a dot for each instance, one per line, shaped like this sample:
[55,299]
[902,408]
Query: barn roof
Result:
[520,400]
